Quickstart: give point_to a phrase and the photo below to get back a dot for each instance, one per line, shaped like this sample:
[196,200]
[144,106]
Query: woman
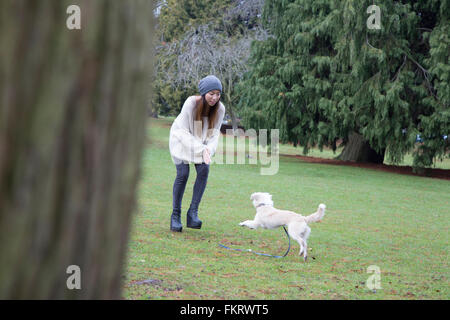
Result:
[194,136]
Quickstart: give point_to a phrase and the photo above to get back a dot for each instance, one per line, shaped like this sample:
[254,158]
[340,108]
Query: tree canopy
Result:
[326,77]
[209,41]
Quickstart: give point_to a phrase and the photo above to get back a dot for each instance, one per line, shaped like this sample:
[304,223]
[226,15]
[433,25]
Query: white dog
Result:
[269,217]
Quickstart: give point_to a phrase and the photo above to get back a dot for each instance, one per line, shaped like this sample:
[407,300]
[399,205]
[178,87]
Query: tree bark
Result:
[72,127]
[359,150]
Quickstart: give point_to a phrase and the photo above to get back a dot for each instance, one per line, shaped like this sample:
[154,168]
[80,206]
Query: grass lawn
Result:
[396,222]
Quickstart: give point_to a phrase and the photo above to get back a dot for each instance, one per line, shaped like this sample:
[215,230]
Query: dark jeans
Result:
[180,184]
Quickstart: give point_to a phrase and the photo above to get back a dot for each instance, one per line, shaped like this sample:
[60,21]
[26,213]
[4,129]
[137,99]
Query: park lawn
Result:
[396,222]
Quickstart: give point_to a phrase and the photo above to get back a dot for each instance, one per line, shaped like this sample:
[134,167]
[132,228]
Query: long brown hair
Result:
[212,115]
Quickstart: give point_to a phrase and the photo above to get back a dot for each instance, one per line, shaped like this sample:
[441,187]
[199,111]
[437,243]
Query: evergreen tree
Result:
[327,77]
[436,122]
[178,16]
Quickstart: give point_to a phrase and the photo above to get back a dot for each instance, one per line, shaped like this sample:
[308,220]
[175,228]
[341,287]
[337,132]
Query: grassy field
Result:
[396,222]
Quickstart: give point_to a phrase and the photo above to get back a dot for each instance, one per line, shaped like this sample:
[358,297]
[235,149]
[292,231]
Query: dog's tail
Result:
[316,216]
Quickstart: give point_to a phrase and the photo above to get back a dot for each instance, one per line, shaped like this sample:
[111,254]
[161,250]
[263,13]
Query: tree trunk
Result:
[72,127]
[359,150]
[233,116]
[234,123]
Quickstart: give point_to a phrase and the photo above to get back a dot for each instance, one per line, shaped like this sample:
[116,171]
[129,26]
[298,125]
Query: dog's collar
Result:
[262,204]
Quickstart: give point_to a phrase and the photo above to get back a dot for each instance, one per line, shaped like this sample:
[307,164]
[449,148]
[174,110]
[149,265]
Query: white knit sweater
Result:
[186,141]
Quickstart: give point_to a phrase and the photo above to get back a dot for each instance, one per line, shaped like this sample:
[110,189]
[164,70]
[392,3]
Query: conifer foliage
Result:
[326,77]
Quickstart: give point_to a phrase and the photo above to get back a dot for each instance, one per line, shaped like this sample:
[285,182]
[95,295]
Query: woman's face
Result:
[212,97]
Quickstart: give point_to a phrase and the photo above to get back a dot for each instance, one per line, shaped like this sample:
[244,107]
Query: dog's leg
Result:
[252,224]
[305,250]
[295,230]
[305,237]
[303,247]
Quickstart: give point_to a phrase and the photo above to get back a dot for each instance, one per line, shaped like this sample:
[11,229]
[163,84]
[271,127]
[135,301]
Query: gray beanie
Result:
[208,84]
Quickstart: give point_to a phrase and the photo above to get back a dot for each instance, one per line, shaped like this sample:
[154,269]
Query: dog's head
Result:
[261,197]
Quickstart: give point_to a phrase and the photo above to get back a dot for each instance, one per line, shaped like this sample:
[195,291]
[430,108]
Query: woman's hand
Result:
[206,156]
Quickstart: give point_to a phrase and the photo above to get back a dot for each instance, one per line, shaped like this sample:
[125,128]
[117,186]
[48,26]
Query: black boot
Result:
[175,222]
[192,219]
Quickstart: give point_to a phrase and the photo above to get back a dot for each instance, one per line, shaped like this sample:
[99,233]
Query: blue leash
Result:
[259,253]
